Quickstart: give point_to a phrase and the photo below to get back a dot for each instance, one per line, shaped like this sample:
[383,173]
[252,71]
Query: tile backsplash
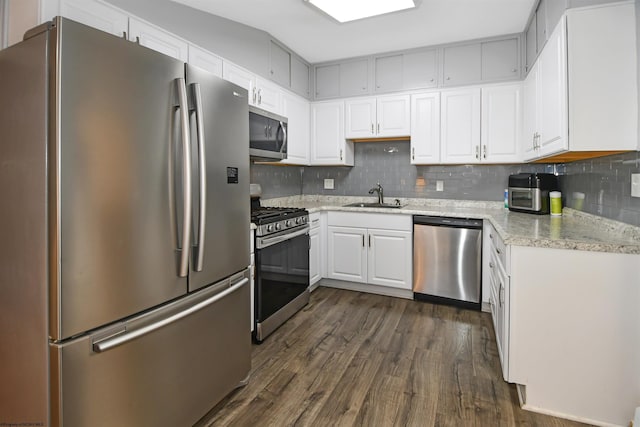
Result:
[605,182]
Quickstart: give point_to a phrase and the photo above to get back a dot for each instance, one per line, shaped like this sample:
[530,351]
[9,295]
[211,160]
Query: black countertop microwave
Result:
[267,135]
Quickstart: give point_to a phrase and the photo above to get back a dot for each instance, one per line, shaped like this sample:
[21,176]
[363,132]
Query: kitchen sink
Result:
[372,205]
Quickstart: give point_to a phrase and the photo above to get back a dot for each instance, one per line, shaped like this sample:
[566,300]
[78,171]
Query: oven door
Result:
[282,278]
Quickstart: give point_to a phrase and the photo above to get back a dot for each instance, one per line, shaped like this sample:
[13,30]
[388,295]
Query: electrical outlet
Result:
[439,185]
[328,184]
[635,185]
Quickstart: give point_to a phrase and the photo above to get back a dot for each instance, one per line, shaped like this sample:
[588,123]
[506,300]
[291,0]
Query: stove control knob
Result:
[269,228]
[299,220]
[303,219]
[278,226]
[288,223]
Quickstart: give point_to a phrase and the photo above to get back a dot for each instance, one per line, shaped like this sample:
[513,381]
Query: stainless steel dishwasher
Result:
[447,259]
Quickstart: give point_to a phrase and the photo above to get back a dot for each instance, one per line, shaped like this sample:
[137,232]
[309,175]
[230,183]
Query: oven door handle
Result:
[265,242]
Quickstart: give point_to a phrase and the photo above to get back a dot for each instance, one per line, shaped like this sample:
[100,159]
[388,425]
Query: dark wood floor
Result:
[356,359]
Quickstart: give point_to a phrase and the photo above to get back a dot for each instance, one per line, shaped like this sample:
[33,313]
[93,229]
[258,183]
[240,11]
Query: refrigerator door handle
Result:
[202,166]
[117,340]
[183,106]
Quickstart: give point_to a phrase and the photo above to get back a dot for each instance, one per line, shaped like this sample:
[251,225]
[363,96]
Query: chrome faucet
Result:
[378,189]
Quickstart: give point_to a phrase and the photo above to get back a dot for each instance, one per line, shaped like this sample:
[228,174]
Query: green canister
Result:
[555,199]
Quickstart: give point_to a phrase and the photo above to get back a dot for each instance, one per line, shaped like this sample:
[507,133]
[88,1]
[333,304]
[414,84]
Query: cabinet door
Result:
[501,123]
[269,96]
[531,44]
[206,60]
[500,60]
[314,256]
[388,73]
[327,81]
[299,77]
[553,11]
[552,95]
[420,69]
[460,126]
[328,145]
[393,116]
[159,40]
[96,15]
[425,128]
[242,78]
[530,112]
[541,24]
[390,258]
[296,110]
[347,254]
[354,78]
[462,64]
[360,118]
[280,65]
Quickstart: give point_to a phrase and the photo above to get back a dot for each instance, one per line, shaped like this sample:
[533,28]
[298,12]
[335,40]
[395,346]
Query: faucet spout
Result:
[378,189]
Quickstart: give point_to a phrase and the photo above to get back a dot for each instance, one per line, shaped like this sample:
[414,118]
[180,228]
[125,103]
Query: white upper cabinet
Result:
[268,96]
[296,110]
[150,36]
[97,15]
[206,60]
[425,128]
[460,126]
[501,123]
[328,144]
[384,116]
[262,93]
[360,118]
[530,111]
[552,95]
[241,77]
[581,94]
[602,77]
[393,115]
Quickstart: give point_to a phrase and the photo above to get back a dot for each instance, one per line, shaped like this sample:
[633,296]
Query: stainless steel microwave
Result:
[267,135]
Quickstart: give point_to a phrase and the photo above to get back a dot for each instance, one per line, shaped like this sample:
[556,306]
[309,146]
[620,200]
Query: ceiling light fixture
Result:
[351,10]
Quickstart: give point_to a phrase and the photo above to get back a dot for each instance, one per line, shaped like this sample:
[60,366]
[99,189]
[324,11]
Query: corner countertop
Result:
[573,230]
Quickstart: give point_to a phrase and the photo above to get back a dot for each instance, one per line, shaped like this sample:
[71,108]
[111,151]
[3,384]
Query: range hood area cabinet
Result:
[581,94]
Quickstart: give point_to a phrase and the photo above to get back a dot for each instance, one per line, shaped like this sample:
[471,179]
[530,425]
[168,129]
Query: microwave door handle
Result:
[284,137]
[183,107]
[202,175]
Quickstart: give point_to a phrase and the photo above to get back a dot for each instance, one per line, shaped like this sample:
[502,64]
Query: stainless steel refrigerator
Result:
[124,178]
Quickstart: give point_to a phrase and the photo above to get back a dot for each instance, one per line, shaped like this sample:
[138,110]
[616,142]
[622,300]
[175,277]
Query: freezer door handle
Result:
[202,174]
[183,107]
[117,340]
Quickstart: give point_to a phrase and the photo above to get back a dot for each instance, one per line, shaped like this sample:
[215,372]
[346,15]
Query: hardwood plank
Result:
[356,359]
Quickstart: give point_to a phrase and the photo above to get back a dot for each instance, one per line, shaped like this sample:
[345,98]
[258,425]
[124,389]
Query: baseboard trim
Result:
[364,287]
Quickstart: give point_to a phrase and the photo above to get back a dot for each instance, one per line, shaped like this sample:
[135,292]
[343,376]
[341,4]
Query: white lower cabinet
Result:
[373,255]
[317,248]
[389,258]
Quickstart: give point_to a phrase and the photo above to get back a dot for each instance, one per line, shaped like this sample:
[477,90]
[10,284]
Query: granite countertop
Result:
[573,230]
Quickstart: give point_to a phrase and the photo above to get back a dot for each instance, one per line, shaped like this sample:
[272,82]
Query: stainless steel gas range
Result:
[282,266]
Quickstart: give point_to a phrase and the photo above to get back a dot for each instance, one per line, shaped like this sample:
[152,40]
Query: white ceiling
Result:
[318,38]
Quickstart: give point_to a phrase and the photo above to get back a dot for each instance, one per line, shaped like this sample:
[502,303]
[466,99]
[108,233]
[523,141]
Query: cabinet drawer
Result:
[398,222]
[314,220]
[498,248]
